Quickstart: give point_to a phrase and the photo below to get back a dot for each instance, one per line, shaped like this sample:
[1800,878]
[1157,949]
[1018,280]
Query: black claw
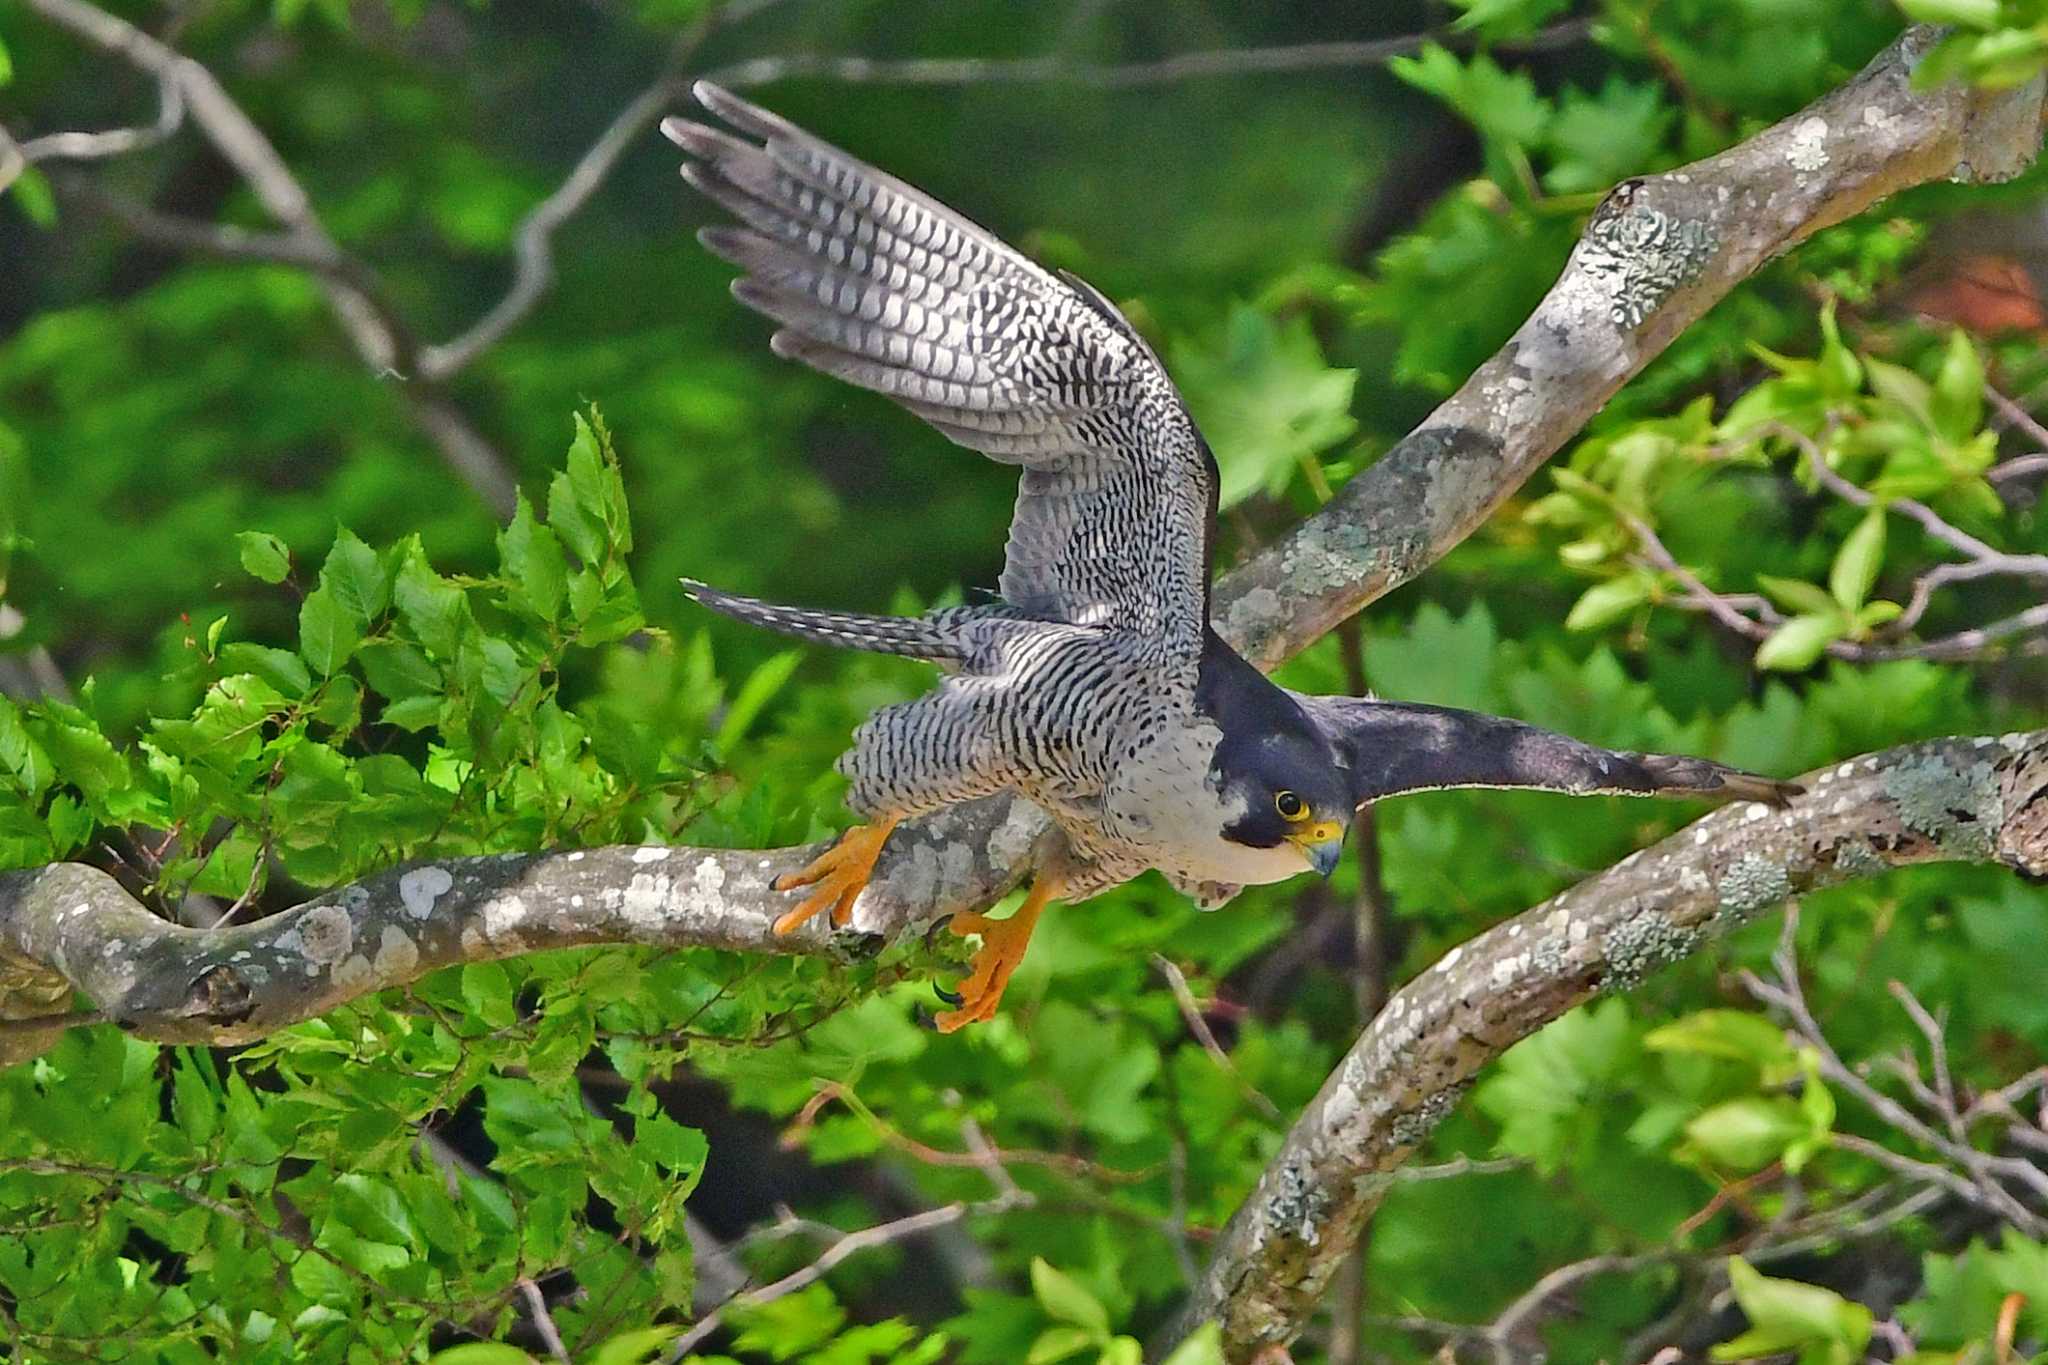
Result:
[934,929]
[953,998]
[924,1018]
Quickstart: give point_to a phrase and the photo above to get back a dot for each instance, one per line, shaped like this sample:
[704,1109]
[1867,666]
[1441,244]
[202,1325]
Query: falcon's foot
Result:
[839,873]
[1003,942]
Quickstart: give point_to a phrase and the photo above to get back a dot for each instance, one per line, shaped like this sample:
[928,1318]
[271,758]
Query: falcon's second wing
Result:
[1393,747]
[881,285]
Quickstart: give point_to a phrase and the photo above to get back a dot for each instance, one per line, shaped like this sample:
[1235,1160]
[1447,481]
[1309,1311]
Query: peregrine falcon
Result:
[1095,686]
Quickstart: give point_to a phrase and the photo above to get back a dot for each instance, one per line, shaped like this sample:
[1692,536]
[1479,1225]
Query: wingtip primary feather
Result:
[676,130]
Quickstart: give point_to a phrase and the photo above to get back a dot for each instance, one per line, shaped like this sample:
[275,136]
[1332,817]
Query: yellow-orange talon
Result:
[840,873]
[1003,942]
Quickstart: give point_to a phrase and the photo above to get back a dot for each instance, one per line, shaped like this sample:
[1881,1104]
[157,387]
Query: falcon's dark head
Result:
[1276,771]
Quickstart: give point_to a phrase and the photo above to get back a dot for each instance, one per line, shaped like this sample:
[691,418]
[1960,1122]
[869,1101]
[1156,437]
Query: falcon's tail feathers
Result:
[935,639]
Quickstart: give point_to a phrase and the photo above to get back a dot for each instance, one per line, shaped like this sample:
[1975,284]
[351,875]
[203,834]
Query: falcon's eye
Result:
[1290,806]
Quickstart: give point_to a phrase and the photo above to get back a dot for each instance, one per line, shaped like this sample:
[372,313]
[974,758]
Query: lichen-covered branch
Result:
[1656,255]
[1973,800]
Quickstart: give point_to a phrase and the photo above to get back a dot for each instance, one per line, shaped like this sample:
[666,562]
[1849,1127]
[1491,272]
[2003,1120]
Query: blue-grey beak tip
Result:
[1325,857]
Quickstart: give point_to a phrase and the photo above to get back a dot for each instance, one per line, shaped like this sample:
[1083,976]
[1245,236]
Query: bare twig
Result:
[377,333]
[841,1246]
[1191,1014]
[1055,69]
[543,1320]
[16,157]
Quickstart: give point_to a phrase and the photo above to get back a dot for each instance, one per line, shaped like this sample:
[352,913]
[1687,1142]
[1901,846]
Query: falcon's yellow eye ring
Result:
[1291,807]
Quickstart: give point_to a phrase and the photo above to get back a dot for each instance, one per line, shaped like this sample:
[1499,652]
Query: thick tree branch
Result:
[1971,800]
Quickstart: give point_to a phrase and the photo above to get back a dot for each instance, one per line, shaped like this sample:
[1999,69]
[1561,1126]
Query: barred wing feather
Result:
[876,283]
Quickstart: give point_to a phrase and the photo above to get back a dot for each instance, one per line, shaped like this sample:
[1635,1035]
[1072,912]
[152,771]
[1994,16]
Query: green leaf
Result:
[1605,603]
[482,1353]
[532,558]
[1057,1343]
[754,694]
[1121,1351]
[1064,1300]
[1266,399]
[1503,106]
[1796,645]
[264,556]
[1507,18]
[1787,1315]
[328,631]
[1958,402]
[280,668]
[1731,1034]
[431,607]
[1977,14]
[1796,594]
[32,191]
[1858,561]
[1204,1346]
[637,1347]
[356,577]
[1750,1133]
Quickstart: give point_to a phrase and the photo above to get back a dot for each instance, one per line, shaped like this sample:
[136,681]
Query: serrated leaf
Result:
[328,631]
[264,556]
[281,668]
[1064,1300]
[1857,563]
[1799,643]
[355,576]
[531,555]
[1266,399]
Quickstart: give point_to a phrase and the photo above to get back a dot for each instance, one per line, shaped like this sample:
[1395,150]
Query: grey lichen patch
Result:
[398,957]
[1955,806]
[326,934]
[1855,857]
[1412,1127]
[1809,146]
[1752,885]
[1644,944]
[1298,1205]
[421,887]
[1641,253]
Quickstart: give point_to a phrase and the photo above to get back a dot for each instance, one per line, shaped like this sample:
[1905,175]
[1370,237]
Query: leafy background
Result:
[300,649]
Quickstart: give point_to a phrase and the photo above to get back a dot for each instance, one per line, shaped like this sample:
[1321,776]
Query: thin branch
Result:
[842,1246]
[1191,1015]
[376,331]
[1063,70]
[543,1320]
[15,157]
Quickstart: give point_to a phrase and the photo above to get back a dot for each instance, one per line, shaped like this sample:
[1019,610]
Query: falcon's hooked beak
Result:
[1322,844]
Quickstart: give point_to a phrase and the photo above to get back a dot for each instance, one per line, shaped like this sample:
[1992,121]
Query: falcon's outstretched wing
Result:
[1394,747]
[883,286]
